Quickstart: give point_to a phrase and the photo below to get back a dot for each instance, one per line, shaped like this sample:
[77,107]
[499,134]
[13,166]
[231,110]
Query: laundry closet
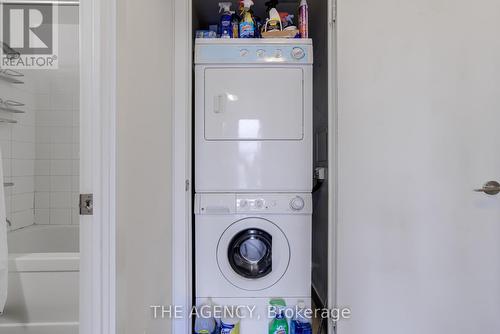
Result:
[260,153]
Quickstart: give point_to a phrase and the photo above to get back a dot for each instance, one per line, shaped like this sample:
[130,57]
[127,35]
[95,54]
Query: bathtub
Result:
[43,281]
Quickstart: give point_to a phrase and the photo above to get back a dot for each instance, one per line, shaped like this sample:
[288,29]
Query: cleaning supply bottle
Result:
[235,25]
[273,22]
[304,19]
[247,22]
[225,26]
[300,324]
[205,323]
[230,325]
[279,325]
[204,326]
[287,20]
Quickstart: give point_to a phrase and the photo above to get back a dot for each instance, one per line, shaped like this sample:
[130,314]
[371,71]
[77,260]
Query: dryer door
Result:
[254,103]
[253,254]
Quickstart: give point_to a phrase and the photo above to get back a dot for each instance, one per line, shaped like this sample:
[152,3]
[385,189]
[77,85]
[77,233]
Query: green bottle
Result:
[279,325]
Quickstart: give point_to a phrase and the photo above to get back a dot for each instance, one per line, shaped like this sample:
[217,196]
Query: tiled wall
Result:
[17,142]
[57,150]
[57,130]
[41,151]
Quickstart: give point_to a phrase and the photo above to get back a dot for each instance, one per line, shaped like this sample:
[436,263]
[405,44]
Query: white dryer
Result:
[250,248]
[253,115]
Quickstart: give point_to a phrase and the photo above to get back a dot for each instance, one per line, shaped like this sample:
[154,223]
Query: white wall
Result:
[144,110]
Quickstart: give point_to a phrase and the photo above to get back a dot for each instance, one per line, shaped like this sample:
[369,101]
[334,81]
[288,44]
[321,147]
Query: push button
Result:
[259,204]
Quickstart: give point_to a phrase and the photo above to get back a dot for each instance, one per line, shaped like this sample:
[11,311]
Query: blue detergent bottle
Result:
[300,324]
[226,20]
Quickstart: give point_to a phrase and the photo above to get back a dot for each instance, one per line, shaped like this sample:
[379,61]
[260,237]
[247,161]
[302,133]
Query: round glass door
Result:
[250,253]
[253,254]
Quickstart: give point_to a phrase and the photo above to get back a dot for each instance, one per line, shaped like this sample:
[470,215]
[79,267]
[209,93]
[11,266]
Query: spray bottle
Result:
[247,23]
[235,25]
[304,19]
[225,25]
[279,325]
[273,22]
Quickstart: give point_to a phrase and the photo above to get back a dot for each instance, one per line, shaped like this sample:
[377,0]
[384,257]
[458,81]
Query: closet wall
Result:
[318,29]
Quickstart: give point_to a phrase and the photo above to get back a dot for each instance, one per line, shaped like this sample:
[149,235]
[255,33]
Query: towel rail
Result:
[11,76]
[11,106]
[8,184]
[8,121]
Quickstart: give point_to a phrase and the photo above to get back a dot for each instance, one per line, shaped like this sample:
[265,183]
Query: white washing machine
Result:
[250,248]
[253,115]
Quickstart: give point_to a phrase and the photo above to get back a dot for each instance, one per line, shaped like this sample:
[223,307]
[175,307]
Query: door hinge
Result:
[86,204]
[187,185]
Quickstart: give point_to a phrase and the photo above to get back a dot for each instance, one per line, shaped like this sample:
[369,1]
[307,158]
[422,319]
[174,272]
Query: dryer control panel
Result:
[253,51]
[220,204]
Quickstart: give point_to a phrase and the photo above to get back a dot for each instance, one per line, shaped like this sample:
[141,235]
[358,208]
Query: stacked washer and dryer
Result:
[253,174]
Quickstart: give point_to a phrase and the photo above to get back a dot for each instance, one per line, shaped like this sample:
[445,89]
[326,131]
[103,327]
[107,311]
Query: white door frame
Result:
[182,284]
[332,159]
[97,165]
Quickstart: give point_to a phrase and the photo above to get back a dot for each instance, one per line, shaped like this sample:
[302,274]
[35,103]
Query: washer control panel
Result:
[230,204]
[274,203]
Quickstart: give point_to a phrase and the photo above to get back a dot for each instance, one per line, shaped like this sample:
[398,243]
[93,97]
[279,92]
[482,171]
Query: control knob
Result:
[298,53]
[297,203]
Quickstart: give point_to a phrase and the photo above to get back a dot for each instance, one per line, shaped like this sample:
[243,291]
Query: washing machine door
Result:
[250,253]
[253,254]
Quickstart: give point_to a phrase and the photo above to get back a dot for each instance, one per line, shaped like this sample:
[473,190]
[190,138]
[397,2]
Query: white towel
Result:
[3,242]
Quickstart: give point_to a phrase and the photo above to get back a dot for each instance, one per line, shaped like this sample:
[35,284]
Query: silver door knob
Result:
[490,188]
